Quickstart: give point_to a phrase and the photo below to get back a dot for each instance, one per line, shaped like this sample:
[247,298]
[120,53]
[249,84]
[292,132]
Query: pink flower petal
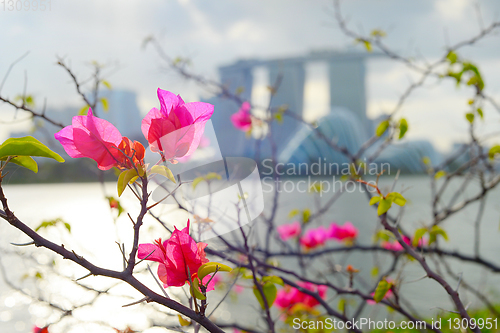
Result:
[177,256]
[168,100]
[177,128]
[314,237]
[91,137]
[346,231]
[288,231]
[145,249]
[242,119]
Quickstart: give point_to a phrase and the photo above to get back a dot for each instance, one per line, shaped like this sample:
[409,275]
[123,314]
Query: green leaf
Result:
[494,151]
[439,174]
[196,181]
[240,90]
[83,111]
[366,43]
[403,128]
[24,161]
[27,146]
[456,76]
[105,104]
[106,84]
[270,291]
[469,67]
[30,100]
[279,118]
[383,235]
[397,198]
[273,279]
[183,321]
[382,289]
[470,117]
[419,233]
[195,290]
[46,224]
[342,305]
[452,57]
[384,206]
[382,128]
[294,212]
[434,232]
[124,178]
[211,267]
[306,215]
[476,80]
[374,200]
[480,113]
[164,171]
[51,223]
[207,177]
[27,100]
[378,33]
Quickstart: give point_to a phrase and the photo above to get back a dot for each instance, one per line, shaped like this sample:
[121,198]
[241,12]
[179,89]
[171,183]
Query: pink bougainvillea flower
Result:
[177,256]
[395,246]
[242,119]
[176,129]
[288,231]
[238,289]
[37,329]
[392,246]
[286,297]
[289,296]
[314,238]
[98,139]
[344,232]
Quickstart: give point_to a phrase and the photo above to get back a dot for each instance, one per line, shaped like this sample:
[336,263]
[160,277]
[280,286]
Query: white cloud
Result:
[453,9]
[202,29]
[246,31]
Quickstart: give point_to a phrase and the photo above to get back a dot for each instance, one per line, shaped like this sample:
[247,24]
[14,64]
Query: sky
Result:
[214,33]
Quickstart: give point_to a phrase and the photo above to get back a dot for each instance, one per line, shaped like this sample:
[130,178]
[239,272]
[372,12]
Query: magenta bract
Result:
[176,129]
[91,137]
[288,231]
[176,256]
[242,119]
[342,232]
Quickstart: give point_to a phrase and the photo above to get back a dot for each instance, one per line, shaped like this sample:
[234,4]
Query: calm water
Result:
[94,234]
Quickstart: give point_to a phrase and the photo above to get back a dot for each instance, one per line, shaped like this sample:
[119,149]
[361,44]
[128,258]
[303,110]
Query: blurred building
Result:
[346,124]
